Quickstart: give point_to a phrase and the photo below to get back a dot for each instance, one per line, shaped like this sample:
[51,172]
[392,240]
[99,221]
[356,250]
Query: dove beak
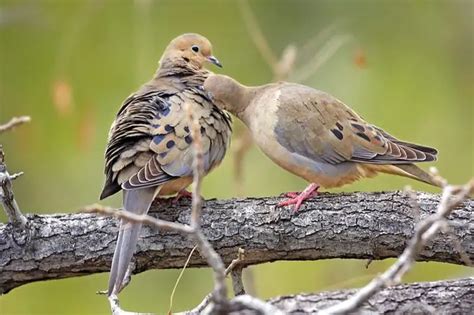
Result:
[215,61]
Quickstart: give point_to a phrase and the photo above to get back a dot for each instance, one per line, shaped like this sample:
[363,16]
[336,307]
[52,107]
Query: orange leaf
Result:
[360,60]
[62,97]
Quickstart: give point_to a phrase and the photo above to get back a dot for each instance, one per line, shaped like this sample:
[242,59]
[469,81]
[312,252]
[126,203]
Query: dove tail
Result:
[137,201]
[417,173]
[410,171]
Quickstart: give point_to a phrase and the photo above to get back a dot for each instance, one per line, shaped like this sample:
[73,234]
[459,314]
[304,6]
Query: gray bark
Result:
[441,297]
[357,225]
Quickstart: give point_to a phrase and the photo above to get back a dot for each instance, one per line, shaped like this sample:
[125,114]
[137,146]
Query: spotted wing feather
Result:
[318,126]
[151,142]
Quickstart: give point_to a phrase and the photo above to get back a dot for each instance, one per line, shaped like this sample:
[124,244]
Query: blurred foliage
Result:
[69,64]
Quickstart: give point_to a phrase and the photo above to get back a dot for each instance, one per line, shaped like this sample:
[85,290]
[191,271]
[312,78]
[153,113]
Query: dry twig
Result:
[213,259]
[139,218]
[7,198]
[207,299]
[14,122]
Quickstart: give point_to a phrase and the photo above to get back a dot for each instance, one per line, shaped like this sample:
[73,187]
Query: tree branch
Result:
[441,297]
[14,122]
[357,225]
[7,198]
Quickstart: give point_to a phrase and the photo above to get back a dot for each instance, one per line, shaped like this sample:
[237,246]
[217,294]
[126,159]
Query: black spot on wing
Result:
[363,136]
[339,126]
[337,133]
[188,139]
[170,144]
[358,127]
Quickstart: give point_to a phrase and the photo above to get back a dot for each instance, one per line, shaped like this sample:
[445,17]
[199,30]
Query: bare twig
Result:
[247,302]
[425,231]
[235,270]
[7,198]
[139,218]
[213,259]
[320,38]
[207,299]
[116,310]
[257,35]
[237,282]
[14,122]
[321,57]
[179,279]
[235,262]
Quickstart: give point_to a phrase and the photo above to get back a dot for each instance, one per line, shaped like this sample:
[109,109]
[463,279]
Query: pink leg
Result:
[291,194]
[182,194]
[297,199]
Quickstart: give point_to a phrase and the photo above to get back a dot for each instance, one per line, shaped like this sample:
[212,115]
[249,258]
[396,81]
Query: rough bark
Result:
[357,225]
[441,297]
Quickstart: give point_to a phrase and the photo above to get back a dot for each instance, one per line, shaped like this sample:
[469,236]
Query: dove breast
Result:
[280,112]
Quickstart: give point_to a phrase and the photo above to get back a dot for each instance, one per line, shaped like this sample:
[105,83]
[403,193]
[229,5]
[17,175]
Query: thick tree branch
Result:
[357,225]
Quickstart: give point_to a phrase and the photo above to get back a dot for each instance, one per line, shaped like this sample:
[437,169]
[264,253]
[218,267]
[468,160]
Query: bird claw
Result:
[182,194]
[298,198]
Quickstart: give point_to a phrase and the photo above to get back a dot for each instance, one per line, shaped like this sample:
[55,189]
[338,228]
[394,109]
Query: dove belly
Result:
[322,173]
[175,186]
[261,121]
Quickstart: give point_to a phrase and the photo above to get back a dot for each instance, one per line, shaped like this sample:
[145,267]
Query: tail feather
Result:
[417,173]
[137,201]
[406,170]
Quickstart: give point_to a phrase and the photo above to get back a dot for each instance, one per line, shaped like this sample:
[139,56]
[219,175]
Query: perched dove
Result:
[315,136]
[149,151]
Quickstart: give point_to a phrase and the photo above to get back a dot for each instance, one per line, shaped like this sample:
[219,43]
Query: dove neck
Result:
[175,67]
[240,98]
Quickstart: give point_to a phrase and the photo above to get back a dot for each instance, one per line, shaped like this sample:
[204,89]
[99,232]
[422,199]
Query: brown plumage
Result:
[315,136]
[149,151]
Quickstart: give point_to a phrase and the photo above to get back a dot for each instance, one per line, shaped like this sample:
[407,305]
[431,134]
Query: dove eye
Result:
[195,48]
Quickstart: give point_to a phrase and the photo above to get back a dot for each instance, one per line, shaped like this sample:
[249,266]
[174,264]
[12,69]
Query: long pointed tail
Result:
[408,170]
[417,173]
[136,201]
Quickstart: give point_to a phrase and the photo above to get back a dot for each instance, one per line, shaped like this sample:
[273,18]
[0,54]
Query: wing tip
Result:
[109,190]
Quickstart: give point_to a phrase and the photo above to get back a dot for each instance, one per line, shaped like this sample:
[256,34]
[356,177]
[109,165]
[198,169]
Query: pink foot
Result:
[182,194]
[297,199]
[291,194]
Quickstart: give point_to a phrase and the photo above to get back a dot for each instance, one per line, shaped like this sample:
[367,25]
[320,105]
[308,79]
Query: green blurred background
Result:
[406,66]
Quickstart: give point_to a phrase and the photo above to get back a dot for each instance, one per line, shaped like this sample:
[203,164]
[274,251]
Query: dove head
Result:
[192,50]
[227,93]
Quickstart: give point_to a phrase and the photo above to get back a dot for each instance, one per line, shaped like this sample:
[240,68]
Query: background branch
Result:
[356,225]
[440,297]
[14,122]
[7,198]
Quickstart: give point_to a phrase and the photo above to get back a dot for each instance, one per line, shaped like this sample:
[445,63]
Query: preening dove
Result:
[315,136]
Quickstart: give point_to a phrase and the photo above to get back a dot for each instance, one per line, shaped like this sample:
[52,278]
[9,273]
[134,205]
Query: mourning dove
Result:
[315,136]
[149,151]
